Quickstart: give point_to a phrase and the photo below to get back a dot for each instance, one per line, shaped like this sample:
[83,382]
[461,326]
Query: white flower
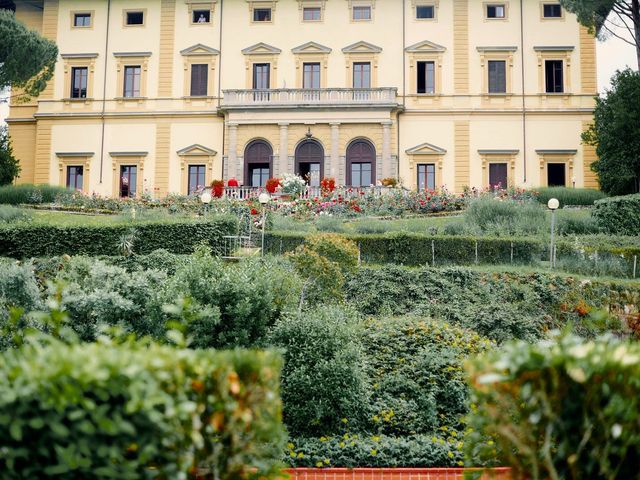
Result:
[616,430]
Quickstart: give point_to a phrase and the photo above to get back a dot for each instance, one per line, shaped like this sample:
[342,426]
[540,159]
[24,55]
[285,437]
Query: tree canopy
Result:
[618,18]
[9,166]
[27,59]
[616,135]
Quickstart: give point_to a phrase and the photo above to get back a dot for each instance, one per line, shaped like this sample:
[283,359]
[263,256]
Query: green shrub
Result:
[566,409]
[571,222]
[323,380]
[24,241]
[335,248]
[416,249]
[491,215]
[248,297]
[9,214]
[619,215]
[416,368]
[17,194]
[138,410]
[326,223]
[352,451]
[569,196]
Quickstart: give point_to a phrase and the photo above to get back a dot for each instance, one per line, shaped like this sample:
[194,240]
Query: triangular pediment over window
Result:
[199,49]
[197,150]
[425,46]
[362,47]
[426,149]
[311,47]
[261,49]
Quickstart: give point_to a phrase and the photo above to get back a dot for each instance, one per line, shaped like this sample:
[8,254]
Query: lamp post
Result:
[263,198]
[553,205]
[205,198]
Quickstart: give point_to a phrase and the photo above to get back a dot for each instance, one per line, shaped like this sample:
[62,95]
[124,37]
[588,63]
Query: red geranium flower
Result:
[254,211]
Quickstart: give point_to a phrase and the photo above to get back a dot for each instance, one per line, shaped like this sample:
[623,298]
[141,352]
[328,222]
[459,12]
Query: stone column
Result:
[386,167]
[233,169]
[283,151]
[336,167]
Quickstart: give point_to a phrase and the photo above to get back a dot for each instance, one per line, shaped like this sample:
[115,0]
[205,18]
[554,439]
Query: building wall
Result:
[464,128]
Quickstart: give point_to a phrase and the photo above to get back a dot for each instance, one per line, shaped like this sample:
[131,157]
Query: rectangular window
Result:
[132,81]
[312,14]
[426,176]
[82,20]
[554,82]
[135,18]
[498,175]
[426,80]
[199,80]
[261,14]
[361,174]
[259,174]
[361,13]
[196,178]
[496,11]
[128,180]
[497,76]
[552,10]
[260,76]
[201,16]
[75,177]
[361,75]
[79,76]
[311,78]
[425,12]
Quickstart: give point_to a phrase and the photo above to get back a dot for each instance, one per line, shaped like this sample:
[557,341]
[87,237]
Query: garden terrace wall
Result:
[392,474]
[415,249]
[26,241]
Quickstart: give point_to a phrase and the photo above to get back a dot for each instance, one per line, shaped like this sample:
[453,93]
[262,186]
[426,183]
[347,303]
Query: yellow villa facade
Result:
[161,96]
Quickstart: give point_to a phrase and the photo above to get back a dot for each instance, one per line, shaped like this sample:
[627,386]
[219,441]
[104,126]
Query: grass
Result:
[570,196]
[17,194]
[66,219]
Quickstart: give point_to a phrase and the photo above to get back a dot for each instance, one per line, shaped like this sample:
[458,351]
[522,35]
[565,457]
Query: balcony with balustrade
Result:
[310,98]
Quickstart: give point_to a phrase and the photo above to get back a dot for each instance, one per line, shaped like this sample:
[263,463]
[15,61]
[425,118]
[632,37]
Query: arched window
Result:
[310,162]
[258,159]
[361,163]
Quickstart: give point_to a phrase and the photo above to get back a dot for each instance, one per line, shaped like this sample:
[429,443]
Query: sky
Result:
[612,54]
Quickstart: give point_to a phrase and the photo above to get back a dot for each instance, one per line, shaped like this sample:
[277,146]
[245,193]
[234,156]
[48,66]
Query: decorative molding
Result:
[497,49]
[199,50]
[66,56]
[426,149]
[310,47]
[196,150]
[362,47]
[131,54]
[261,49]
[556,152]
[553,49]
[425,46]
[128,154]
[74,154]
[498,152]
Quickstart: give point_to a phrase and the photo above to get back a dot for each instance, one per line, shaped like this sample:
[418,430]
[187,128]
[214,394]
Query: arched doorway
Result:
[258,157]
[310,162]
[361,163]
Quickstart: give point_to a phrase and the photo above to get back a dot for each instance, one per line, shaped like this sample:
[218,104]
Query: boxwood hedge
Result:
[138,410]
[619,215]
[24,241]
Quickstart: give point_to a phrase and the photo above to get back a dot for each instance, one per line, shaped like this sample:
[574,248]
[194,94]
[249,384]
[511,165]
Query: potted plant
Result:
[327,186]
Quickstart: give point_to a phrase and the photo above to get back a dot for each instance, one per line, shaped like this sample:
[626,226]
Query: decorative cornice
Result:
[131,54]
[74,154]
[496,49]
[426,149]
[199,49]
[78,55]
[196,150]
[362,47]
[261,49]
[498,152]
[311,47]
[553,48]
[556,152]
[425,46]
[128,154]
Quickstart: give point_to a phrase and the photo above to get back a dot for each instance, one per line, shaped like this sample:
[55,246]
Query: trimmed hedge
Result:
[565,409]
[570,196]
[26,241]
[619,215]
[138,410]
[415,249]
